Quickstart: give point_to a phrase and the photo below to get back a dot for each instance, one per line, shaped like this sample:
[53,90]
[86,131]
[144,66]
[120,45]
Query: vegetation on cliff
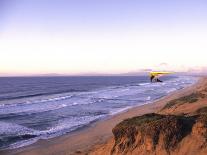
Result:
[192,98]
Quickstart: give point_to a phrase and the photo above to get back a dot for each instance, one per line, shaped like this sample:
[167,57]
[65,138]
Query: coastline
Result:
[84,140]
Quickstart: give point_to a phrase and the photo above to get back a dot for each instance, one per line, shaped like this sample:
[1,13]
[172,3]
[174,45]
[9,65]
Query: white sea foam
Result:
[144,84]
[148,98]
[7,128]
[113,112]
[23,143]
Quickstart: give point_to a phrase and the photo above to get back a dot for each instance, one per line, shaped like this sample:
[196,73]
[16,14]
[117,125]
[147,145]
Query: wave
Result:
[21,143]
[7,128]
[113,112]
[7,98]
[19,136]
[144,84]
[30,109]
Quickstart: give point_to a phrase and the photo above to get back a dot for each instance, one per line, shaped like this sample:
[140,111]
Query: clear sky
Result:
[101,36]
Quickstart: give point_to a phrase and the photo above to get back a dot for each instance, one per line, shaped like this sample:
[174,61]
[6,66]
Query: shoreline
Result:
[86,138]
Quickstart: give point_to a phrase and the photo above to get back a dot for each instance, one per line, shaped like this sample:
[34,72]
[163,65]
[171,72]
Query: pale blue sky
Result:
[59,16]
[104,36]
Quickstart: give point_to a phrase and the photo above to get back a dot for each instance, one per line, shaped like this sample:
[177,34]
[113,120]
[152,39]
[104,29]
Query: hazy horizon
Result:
[103,37]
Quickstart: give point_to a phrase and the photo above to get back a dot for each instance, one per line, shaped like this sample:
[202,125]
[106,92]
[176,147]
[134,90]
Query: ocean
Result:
[33,108]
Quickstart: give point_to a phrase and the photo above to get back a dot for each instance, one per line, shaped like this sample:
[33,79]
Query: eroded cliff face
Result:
[161,134]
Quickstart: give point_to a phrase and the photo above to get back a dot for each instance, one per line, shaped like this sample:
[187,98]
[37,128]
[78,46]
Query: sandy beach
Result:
[87,139]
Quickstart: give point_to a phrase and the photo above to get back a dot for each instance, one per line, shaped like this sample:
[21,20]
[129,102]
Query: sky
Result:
[101,36]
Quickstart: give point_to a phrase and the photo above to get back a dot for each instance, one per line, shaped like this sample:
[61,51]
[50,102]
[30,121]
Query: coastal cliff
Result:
[179,127]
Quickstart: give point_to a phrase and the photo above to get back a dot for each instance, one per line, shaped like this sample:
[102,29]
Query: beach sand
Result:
[89,138]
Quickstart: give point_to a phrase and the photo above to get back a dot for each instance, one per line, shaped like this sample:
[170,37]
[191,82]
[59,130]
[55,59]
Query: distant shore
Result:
[85,140]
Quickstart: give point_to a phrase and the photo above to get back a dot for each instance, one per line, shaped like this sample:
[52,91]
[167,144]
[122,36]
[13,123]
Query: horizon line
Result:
[95,74]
